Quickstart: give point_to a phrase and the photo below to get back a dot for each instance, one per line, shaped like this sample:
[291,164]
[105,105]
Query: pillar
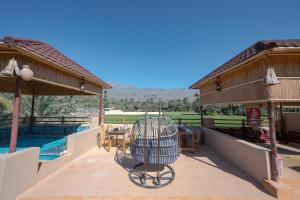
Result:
[273,143]
[282,134]
[15,117]
[201,115]
[32,110]
[101,110]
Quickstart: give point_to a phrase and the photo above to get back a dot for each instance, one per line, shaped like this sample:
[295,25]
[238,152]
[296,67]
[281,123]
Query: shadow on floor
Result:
[282,149]
[296,168]
[221,164]
[125,160]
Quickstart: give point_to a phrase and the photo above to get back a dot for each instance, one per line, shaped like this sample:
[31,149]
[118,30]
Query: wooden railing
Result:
[48,120]
[191,122]
[7,121]
[61,120]
[219,122]
[237,123]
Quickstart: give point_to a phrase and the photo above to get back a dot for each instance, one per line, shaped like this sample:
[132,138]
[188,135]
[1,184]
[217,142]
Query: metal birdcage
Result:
[153,143]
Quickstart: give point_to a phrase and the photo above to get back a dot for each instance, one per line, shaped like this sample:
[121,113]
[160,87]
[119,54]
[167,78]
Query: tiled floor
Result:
[102,175]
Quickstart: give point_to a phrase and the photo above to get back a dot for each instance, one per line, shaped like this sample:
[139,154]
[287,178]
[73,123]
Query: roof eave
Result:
[199,83]
[25,51]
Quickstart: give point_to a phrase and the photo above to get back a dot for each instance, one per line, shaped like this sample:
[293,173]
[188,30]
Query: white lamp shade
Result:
[26,73]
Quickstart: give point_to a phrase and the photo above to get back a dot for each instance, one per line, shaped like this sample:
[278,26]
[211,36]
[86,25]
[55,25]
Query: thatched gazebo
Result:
[53,74]
[265,74]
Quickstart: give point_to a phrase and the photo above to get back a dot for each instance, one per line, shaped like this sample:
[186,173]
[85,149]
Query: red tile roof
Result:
[248,53]
[49,53]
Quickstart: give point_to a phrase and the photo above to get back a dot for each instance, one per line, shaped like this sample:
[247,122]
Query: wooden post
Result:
[282,134]
[100,110]
[32,110]
[273,143]
[201,115]
[15,117]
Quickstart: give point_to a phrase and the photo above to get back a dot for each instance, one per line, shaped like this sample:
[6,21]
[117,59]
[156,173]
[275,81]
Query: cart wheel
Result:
[149,179]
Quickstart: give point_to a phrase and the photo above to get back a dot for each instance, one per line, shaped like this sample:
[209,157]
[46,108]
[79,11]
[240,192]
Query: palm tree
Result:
[6,104]
[54,105]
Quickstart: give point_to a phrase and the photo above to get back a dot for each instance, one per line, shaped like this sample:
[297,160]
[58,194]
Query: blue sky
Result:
[157,44]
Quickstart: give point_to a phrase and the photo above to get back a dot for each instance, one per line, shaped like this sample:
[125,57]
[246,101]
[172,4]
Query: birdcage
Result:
[154,143]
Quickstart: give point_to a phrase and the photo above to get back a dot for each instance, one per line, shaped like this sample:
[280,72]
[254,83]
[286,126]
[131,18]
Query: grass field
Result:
[189,118]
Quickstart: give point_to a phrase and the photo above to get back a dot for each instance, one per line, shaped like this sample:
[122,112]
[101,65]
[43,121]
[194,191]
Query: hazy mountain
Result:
[123,91]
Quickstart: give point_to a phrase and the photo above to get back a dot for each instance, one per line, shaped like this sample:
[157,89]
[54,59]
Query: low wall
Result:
[21,170]
[250,158]
[17,172]
[291,122]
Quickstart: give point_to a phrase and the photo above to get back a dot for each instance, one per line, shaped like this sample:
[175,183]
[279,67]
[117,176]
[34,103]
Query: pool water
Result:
[45,144]
[50,147]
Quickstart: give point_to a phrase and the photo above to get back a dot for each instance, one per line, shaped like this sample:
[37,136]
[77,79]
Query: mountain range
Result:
[125,91]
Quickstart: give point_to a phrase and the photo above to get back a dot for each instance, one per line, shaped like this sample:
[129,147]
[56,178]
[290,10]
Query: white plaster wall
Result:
[18,172]
[291,122]
[21,170]
[250,158]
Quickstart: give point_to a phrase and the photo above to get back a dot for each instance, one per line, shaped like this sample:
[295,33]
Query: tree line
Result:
[175,105]
[68,105]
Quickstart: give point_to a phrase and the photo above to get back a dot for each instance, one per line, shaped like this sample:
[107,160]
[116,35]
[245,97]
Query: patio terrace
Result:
[98,174]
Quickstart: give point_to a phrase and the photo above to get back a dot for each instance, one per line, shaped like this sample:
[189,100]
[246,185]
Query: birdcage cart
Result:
[154,144]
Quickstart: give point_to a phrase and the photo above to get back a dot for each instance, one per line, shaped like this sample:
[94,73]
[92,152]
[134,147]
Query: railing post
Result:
[179,121]
[243,123]
[201,115]
[62,119]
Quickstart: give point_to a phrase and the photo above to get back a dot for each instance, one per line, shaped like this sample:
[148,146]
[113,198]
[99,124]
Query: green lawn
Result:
[189,118]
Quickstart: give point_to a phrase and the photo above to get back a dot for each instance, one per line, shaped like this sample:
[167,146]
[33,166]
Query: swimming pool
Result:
[45,144]
[50,147]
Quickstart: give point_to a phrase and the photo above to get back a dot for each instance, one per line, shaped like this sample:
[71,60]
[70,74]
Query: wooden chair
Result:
[182,146]
[107,139]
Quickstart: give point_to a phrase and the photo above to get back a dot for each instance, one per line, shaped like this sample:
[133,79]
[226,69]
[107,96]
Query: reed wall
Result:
[55,81]
[246,84]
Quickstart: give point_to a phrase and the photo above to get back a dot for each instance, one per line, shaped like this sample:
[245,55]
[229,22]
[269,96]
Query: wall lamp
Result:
[82,85]
[218,84]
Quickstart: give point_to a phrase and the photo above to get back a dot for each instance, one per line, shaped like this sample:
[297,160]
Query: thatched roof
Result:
[48,53]
[245,55]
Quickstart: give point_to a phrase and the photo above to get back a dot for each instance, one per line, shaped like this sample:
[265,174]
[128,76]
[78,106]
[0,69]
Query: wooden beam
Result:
[84,92]
[273,144]
[15,117]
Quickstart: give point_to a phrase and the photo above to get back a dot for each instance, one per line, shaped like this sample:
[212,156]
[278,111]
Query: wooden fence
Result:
[61,120]
[218,122]
[48,120]
[7,121]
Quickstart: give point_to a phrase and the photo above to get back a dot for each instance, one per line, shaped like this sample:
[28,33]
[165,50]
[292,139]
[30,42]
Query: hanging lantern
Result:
[26,73]
[82,85]
[12,69]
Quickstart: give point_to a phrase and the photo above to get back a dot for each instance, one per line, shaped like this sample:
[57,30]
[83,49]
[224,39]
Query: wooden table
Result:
[116,133]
